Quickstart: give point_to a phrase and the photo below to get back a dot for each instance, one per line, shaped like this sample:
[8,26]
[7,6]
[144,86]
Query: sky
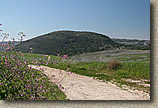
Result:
[124,19]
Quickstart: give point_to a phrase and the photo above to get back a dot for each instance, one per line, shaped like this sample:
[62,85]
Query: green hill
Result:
[68,42]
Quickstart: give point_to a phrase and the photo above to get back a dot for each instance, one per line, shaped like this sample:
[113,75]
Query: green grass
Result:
[100,70]
[133,70]
[29,57]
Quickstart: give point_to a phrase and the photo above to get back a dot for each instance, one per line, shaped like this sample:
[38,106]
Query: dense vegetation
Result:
[18,81]
[69,43]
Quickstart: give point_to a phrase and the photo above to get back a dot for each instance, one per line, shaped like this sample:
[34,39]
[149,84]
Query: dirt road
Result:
[78,87]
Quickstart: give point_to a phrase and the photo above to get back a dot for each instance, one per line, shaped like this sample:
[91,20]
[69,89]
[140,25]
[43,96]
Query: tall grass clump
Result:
[114,64]
[135,70]
[18,81]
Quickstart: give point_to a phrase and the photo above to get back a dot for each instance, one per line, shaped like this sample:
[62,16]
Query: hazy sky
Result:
[115,18]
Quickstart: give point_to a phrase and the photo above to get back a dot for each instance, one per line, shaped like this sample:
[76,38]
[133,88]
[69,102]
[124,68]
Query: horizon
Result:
[122,19]
[77,31]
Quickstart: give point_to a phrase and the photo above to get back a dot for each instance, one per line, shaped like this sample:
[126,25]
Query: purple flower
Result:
[65,56]
[36,84]
[67,69]
[43,80]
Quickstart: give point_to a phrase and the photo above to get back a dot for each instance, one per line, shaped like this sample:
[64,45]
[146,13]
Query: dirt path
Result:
[78,87]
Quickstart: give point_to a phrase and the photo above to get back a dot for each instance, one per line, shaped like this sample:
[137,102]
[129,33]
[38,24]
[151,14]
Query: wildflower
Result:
[36,84]
[5,44]
[67,69]
[43,80]
[24,62]
[65,56]
[45,55]
[39,58]
[46,63]
[31,48]
[8,48]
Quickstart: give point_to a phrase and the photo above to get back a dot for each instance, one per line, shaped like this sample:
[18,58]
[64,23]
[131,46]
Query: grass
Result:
[131,70]
[29,57]
[100,70]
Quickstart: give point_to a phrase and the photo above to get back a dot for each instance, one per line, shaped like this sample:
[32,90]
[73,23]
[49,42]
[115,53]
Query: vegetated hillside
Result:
[134,43]
[68,42]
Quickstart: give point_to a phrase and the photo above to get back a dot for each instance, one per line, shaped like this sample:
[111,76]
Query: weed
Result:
[20,82]
[114,64]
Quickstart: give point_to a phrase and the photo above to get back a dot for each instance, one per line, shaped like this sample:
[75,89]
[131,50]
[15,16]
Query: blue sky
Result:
[115,18]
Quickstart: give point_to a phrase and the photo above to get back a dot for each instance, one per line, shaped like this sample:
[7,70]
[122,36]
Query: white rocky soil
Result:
[78,87]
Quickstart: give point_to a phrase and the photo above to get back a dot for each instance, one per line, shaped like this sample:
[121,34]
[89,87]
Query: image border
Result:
[153,102]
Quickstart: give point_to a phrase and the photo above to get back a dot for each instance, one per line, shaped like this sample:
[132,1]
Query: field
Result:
[128,69]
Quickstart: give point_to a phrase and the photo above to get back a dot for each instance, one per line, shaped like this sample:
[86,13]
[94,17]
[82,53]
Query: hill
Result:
[134,43]
[68,42]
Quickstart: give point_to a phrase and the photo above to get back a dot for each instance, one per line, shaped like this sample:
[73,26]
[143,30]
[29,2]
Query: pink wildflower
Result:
[65,56]
[67,69]
[45,55]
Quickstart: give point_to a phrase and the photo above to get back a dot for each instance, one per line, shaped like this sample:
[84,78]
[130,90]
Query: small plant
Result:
[18,81]
[114,64]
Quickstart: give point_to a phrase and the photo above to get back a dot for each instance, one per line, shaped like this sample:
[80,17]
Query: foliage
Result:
[69,43]
[19,81]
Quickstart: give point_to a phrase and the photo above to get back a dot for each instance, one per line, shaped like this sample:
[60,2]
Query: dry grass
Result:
[114,64]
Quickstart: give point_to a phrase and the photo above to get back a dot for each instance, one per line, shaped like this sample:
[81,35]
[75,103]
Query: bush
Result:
[18,81]
[114,64]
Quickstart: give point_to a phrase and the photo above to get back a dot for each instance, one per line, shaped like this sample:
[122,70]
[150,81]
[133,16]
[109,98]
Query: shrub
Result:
[18,81]
[114,64]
